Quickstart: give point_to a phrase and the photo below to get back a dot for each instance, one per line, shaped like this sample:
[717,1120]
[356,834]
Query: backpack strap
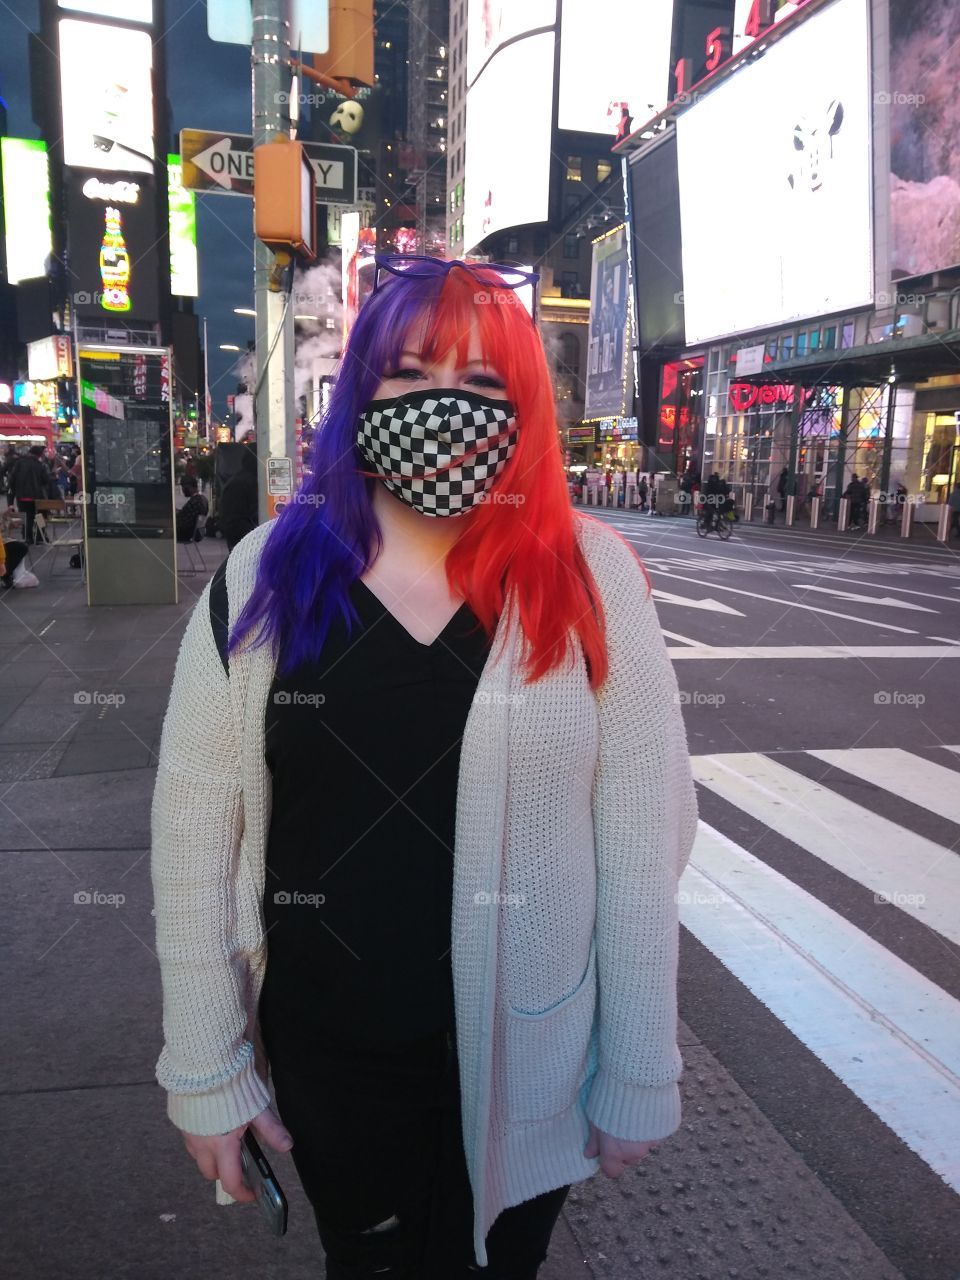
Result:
[220,614]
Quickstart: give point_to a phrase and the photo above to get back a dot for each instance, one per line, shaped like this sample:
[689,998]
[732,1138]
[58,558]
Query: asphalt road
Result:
[819,678]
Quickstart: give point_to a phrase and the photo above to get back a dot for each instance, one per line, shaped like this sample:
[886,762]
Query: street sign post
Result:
[222,164]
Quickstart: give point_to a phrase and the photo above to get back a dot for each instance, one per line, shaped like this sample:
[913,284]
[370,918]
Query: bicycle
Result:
[720,522]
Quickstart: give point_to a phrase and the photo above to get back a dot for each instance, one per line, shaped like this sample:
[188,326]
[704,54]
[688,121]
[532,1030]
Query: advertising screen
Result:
[655,224]
[776,184]
[107,96]
[613,55]
[26,207]
[924,137]
[113,250]
[129,10]
[608,347]
[127,439]
[492,23]
[507,180]
[182,210]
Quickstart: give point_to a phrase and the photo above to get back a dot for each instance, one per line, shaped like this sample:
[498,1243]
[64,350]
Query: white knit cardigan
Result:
[575,817]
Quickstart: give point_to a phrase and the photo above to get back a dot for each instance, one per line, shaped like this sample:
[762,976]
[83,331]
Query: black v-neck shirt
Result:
[364,751]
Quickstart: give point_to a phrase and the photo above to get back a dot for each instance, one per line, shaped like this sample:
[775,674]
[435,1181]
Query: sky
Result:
[208,87]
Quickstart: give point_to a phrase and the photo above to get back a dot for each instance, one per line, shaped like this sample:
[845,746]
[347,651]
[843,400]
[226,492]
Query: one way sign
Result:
[222,163]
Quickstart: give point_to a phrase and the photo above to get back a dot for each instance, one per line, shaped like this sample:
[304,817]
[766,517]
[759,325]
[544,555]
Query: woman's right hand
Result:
[218,1156]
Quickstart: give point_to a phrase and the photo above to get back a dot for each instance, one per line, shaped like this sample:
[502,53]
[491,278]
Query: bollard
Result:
[843,515]
[906,520]
[747,507]
[791,507]
[943,523]
[814,513]
[873,515]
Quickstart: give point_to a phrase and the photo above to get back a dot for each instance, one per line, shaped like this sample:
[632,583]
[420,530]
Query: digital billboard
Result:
[127,438]
[112,249]
[776,183]
[507,156]
[924,138]
[182,211]
[493,23]
[613,55]
[608,344]
[26,207]
[655,227]
[128,10]
[107,96]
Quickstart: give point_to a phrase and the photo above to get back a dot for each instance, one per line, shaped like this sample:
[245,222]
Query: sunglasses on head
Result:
[420,267]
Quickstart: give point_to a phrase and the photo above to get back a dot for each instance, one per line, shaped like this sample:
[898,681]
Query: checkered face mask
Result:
[440,451]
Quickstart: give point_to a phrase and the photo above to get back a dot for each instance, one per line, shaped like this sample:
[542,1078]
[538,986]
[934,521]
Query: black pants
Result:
[378,1148]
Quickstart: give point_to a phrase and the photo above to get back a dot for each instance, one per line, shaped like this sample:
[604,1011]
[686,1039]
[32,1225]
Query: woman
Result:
[430,875]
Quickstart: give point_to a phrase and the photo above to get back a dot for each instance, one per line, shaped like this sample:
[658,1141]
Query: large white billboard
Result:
[492,23]
[26,207]
[775,183]
[613,54]
[507,157]
[107,96]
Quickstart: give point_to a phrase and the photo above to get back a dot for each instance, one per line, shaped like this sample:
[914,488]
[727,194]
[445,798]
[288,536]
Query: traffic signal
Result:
[350,56]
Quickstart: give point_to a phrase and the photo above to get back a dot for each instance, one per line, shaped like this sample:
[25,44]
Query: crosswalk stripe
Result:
[921,877]
[911,777]
[797,652]
[877,1024]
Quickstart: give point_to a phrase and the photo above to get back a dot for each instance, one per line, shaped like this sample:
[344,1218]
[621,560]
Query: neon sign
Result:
[745,395]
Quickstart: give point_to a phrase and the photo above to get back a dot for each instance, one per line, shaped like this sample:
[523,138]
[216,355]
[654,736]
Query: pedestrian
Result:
[30,482]
[453,1035]
[642,491]
[76,473]
[857,493]
[954,502]
[238,510]
[192,511]
[783,481]
[6,473]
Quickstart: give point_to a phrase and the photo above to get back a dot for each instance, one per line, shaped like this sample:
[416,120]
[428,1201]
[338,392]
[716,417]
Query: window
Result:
[830,338]
[846,339]
[604,169]
[513,244]
[786,347]
[571,246]
[574,168]
[801,344]
[570,284]
[814,339]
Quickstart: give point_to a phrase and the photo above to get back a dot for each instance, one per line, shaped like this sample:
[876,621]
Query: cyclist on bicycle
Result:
[716,498]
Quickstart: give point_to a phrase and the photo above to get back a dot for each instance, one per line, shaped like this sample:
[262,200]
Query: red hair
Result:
[520,541]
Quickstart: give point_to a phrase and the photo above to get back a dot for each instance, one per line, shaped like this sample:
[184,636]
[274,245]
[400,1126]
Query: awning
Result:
[907,359]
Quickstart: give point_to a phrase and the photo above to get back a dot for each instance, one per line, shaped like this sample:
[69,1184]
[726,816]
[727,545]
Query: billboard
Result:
[924,138]
[776,183]
[112,249]
[26,207]
[106,95]
[507,156]
[613,55]
[128,10]
[182,213]
[493,23]
[608,345]
[657,265]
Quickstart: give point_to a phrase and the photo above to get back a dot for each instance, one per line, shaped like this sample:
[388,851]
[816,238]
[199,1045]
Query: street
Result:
[819,960]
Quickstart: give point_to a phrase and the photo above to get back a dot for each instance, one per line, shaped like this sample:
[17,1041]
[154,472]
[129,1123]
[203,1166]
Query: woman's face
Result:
[416,374]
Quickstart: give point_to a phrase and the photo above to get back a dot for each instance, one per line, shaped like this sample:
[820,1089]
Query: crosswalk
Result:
[889,1032]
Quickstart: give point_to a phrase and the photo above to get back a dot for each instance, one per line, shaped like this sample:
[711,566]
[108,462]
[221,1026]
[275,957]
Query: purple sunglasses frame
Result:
[385,263]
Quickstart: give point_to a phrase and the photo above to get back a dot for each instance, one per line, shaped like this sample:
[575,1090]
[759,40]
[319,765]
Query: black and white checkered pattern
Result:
[440,451]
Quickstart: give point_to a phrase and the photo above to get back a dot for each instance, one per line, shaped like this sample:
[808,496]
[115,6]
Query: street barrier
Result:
[747,507]
[791,508]
[814,513]
[843,515]
[873,514]
[943,523]
[906,520]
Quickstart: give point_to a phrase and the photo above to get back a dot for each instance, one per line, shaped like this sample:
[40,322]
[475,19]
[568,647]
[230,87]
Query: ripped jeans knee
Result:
[387,1249]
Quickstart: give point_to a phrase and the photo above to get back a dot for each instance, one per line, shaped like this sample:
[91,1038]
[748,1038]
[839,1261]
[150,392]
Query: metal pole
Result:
[275,417]
[795,417]
[206,385]
[791,508]
[814,513]
[906,520]
[841,462]
[888,438]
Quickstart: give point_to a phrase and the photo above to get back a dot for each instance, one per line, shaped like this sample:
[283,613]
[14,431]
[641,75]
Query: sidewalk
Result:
[98,1186]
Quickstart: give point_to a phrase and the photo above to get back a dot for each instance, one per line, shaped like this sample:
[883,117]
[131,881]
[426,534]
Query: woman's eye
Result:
[404,373]
[483,380]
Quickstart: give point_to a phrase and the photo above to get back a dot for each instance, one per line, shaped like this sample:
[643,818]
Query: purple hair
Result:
[328,535]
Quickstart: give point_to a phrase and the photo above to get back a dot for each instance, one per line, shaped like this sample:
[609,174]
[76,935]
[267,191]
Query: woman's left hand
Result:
[615,1154]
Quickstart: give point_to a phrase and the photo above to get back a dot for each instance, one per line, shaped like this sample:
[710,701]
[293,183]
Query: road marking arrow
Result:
[712,606]
[849,595]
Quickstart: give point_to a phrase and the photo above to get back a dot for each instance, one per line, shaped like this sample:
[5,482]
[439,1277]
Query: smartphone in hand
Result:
[259,1177]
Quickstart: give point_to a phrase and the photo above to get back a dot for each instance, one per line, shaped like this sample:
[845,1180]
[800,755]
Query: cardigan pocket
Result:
[546,1054]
